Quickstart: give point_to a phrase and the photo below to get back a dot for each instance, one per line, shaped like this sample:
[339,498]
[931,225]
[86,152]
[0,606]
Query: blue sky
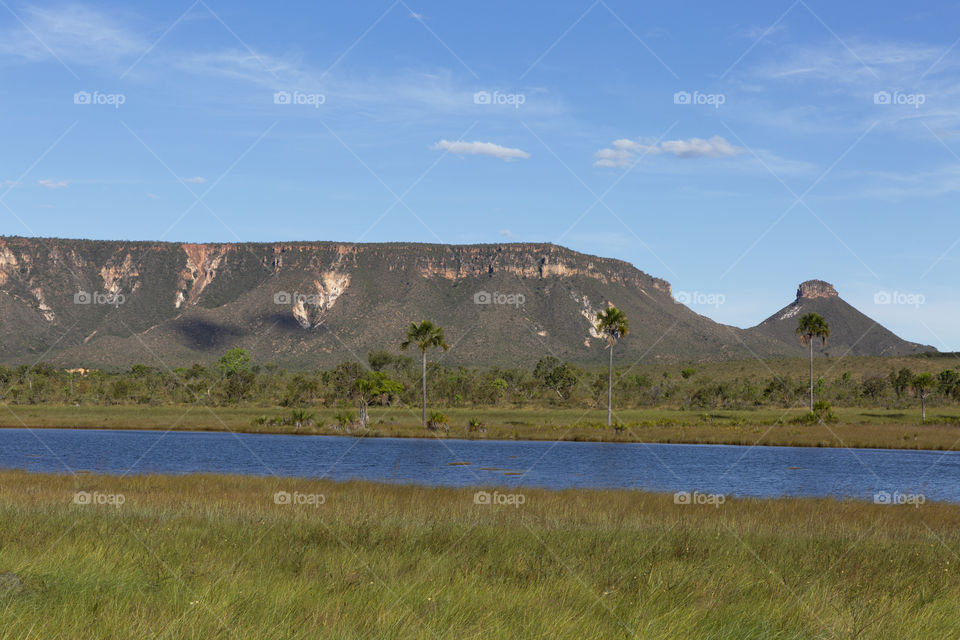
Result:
[733,150]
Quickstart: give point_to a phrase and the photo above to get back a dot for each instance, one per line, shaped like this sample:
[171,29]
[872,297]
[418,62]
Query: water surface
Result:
[726,469]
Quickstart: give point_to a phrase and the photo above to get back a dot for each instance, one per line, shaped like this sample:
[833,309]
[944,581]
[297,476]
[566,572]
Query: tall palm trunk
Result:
[364,415]
[923,407]
[610,388]
[423,381]
[811,373]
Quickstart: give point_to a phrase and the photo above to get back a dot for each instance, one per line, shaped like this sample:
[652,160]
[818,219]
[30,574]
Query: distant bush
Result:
[438,422]
[345,417]
[822,414]
[299,418]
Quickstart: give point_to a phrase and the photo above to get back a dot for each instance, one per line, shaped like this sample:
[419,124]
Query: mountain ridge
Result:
[316,303]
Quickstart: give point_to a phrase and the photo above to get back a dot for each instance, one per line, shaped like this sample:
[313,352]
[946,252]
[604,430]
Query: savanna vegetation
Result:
[550,382]
[220,556]
[742,402]
[879,383]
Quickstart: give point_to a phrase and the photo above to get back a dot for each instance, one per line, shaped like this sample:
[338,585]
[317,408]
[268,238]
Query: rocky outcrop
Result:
[120,275]
[200,269]
[816,289]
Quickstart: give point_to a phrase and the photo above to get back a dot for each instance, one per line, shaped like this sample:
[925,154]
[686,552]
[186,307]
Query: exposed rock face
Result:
[816,289]
[8,262]
[310,308]
[203,260]
[120,275]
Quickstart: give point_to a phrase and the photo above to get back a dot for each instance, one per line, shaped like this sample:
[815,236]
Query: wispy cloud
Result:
[52,184]
[886,185]
[624,152]
[75,33]
[78,35]
[861,61]
[480,149]
[195,180]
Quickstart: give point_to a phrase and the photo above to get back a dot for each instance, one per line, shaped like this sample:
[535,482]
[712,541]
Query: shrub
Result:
[300,418]
[822,414]
[345,417]
[438,421]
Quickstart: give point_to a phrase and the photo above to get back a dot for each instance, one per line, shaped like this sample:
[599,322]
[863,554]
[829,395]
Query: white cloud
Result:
[52,184]
[480,149]
[715,147]
[506,233]
[625,152]
[613,158]
[153,196]
[196,180]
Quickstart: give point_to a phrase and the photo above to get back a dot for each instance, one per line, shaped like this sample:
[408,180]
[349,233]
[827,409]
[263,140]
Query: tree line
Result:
[393,378]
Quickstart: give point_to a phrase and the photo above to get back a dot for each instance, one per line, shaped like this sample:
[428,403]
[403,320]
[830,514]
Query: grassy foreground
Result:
[217,557]
[857,427]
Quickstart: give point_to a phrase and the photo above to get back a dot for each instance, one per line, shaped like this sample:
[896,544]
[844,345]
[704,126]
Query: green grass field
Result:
[217,557]
[873,428]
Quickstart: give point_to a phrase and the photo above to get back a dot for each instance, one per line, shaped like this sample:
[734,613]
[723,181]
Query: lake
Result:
[720,469]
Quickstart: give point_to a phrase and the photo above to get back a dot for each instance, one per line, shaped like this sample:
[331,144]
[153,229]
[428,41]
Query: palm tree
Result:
[921,386]
[612,324]
[424,336]
[812,325]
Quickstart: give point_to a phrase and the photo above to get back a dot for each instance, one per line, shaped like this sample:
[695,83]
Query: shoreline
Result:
[890,438]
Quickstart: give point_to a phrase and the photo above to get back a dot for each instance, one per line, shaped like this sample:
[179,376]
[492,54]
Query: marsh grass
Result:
[870,428]
[216,557]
